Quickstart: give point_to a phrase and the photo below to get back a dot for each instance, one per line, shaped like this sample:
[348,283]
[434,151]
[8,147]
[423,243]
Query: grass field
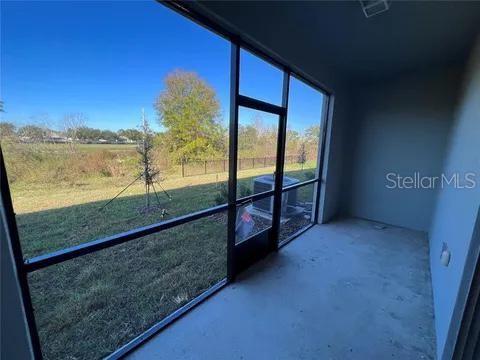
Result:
[107,298]
[111,147]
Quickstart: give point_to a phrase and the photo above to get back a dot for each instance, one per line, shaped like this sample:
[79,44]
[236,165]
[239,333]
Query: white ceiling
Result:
[409,36]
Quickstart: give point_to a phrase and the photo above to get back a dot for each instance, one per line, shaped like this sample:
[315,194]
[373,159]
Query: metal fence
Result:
[194,168]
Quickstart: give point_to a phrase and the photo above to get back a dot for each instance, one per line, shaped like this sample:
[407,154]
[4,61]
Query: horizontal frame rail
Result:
[73,252]
[300,184]
[259,196]
[252,103]
[254,197]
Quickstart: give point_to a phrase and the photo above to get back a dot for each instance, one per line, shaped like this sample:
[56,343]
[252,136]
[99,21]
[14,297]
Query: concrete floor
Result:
[345,290]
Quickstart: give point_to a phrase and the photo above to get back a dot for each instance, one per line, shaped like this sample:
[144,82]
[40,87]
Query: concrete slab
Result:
[345,290]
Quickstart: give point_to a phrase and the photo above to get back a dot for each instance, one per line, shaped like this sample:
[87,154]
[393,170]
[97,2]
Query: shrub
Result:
[222,195]
[309,175]
[54,163]
[244,190]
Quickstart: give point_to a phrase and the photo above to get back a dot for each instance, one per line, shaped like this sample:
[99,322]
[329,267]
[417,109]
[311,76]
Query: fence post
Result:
[224,165]
[265,161]
[240,164]
[205,165]
[183,167]
[254,163]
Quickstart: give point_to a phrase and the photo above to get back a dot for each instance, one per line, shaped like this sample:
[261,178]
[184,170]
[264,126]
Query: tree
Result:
[148,171]
[71,124]
[302,156]
[247,140]
[42,120]
[7,130]
[189,110]
[84,133]
[32,132]
[312,140]
[109,135]
[130,134]
[293,142]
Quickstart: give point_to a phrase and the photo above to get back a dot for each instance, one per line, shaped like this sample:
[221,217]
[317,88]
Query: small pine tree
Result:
[144,148]
[147,173]
[302,156]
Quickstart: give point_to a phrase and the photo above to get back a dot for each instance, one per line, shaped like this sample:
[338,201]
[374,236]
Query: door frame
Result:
[465,325]
[243,254]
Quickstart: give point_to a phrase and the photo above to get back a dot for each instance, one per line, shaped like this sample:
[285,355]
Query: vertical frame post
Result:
[327,115]
[232,164]
[282,134]
[19,262]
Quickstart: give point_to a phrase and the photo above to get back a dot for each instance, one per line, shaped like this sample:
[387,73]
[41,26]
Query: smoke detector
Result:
[374,7]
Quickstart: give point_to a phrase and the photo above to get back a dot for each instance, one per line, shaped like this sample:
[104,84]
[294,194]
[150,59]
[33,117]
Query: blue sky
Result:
[108,60]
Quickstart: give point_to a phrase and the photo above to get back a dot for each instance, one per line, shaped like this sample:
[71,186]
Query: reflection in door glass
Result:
[257,151]
[305,106]
[259,79]
[297,210]
[253,218]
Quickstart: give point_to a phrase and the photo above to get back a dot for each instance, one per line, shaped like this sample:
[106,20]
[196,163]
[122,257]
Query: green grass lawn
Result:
[87,307]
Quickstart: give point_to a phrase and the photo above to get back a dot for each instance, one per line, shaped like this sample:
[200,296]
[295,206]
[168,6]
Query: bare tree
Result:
[71,124]
[42,121]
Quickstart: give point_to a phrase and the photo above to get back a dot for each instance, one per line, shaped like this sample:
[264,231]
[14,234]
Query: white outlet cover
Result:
[445,257]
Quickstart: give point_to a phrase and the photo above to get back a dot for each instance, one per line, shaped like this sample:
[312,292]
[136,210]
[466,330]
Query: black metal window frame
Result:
[26,266]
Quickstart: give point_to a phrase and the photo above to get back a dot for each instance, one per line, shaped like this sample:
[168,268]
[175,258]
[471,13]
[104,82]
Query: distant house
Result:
[25,139]
[54,137]
[102,141]
[124,140]
[57,139]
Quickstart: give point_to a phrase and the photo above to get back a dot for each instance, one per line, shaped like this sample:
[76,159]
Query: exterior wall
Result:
[456,213]
[400,126]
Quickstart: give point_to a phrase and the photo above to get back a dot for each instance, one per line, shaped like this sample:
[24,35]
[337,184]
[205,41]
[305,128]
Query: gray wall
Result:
[399,126]
[14,336]
[456,212]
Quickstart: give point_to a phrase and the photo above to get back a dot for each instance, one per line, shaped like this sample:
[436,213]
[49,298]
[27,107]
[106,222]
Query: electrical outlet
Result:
[445,255]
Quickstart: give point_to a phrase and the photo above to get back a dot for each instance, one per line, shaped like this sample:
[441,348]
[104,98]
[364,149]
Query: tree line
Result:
[36,133]
[189,113]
